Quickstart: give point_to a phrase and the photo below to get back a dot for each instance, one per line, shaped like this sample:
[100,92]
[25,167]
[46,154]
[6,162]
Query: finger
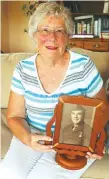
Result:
[42,138]
[93,156]
[89,154]
[44,147]
[49,150]
[36,138]
[36,148]
[104,150]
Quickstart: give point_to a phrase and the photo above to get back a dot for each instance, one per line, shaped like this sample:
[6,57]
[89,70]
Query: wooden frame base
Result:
[71,163]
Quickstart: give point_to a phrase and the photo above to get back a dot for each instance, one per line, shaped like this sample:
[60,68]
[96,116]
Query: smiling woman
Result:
[37,84]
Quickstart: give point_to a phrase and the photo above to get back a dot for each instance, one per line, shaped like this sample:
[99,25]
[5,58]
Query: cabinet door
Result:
[74,43]
[96,46]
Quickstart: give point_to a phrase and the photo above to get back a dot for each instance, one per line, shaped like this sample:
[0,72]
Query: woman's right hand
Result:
[36,142]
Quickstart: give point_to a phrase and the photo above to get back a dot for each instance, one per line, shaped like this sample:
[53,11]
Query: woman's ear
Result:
[70,36]
[35,38]
[36,43]
[68,40]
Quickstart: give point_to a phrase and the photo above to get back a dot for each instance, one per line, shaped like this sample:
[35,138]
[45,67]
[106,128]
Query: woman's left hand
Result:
[93,156]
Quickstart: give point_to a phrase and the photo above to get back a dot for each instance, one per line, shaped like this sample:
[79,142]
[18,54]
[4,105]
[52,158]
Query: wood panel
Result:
[94,44]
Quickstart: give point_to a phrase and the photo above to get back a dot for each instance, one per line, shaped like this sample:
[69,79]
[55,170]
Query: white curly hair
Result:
[50,8]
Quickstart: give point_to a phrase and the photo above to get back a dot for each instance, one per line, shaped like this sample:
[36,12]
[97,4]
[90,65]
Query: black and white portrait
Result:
[76,124]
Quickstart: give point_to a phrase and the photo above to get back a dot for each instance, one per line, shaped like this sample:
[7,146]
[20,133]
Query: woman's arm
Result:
[19,126]
[16,117]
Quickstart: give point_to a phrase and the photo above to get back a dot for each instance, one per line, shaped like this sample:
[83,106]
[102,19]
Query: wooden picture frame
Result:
[97,122]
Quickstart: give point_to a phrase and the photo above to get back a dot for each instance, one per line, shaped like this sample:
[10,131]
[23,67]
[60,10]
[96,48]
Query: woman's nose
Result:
[52,35]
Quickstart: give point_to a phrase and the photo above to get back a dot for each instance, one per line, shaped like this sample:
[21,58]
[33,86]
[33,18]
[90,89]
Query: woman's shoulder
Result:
[29,60]
[26,64]
[77,56]
[78,60]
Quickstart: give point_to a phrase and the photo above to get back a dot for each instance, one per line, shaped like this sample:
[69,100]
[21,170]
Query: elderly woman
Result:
[37,83]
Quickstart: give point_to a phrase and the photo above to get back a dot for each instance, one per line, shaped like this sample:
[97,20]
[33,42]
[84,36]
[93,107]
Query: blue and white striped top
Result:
[82,78]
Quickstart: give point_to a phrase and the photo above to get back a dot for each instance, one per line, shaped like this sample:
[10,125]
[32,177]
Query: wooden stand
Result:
[71,163]
[71,156]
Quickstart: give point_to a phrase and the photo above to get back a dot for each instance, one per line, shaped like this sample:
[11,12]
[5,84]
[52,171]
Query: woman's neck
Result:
[49,62]
[52,62]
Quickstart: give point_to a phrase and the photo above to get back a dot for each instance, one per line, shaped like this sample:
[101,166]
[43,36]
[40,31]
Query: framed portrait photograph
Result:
[79,125]
[76,124]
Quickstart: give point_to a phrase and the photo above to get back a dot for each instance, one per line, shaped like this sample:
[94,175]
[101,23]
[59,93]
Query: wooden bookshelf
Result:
[100,32]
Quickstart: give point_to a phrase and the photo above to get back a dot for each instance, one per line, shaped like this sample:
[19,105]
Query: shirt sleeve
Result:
[17,85]
[92,80]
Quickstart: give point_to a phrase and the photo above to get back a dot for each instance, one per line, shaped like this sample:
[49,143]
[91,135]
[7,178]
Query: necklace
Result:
[51,77]
[50,73]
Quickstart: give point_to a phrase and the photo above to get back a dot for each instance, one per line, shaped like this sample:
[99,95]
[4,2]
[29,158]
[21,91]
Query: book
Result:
[99,26]
[105,31]
[82,36]
[105,23]
[104,35]
[83,17]
[96,27]
[84,29]
[79,28]
[88,28]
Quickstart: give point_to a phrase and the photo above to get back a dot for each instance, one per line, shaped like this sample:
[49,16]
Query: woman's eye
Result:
[45,30]
[60,31]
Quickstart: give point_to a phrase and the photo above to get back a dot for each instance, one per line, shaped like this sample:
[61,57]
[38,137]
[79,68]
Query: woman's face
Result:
[77,116]
[51,37]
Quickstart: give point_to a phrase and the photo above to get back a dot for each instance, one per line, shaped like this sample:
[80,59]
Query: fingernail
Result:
[87,157]
[50,139]
[51,147]
[88,153]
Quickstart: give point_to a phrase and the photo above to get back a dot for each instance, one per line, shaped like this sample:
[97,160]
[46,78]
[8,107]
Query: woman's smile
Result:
[51,47]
